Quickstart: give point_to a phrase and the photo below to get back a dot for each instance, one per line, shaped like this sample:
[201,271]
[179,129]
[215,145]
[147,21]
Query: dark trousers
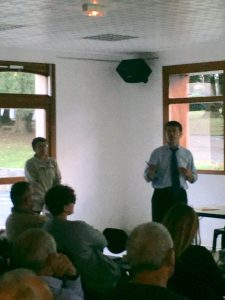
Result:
[163,200]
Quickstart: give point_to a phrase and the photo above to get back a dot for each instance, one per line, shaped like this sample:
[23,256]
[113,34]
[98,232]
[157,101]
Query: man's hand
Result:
[58,265]
[151,171]
[187,174]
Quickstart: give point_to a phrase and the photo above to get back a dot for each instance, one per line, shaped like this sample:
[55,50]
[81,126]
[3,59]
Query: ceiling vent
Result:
[110,37]
[4,27]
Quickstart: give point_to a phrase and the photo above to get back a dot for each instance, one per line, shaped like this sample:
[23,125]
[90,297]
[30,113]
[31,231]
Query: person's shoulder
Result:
[144,291]
[52,160]
[196,254]
[170,295]
[201,250]
[69,224]
[185,150]
[197,248]
[161,149]
[79,224]
[16,215]
[30,160]
[86,229]
[39,218]
[26,217]
[8,219]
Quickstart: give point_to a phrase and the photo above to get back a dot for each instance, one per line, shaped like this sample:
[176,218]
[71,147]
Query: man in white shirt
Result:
[169,182]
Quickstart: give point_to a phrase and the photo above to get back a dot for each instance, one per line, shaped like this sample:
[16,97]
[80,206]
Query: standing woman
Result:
[41,171]
[196,274]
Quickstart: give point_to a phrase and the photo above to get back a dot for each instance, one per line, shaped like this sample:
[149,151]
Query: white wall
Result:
[106,129]
[103,127]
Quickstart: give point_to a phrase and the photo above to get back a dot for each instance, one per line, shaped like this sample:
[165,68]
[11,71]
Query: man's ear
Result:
[25,200]
[170,261]
[181,133]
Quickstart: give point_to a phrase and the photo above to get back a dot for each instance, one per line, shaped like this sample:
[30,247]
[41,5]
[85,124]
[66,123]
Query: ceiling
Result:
[144,26]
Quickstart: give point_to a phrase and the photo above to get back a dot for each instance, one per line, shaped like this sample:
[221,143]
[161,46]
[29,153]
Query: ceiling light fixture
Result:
[93,9]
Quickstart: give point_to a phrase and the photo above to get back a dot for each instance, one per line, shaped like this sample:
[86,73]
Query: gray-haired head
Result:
[31,249]
[148,246]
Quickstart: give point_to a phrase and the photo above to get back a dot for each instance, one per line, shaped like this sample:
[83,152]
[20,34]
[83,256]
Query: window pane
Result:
[23,83]
[17,129]
[204,84]
[5,204]
[203,132]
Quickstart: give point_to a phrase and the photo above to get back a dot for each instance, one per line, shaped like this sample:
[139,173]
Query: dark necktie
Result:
[174,171]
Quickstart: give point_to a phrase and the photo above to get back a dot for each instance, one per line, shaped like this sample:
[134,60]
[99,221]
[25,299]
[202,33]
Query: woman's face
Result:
[69,209]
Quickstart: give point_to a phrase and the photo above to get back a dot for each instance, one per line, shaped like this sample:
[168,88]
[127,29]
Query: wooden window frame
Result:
[192,68]
[46,102]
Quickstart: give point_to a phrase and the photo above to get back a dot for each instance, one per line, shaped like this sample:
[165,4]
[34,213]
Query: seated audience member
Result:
[5,247]
[22,284]
[81,242]
[35,249]
[196,274]
[151,257]
[22,216]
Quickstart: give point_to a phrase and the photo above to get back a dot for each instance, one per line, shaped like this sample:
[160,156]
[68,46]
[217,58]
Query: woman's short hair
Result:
[36,141]
[59,196]
[182,223]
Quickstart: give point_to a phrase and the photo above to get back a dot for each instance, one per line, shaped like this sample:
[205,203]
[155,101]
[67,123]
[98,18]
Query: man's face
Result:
[29,198]
[173,135]
[41,149]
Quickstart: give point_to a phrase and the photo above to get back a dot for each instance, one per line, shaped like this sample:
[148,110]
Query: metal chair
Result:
[217,232]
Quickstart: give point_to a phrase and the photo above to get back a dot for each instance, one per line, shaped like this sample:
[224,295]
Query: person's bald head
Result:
[23,284]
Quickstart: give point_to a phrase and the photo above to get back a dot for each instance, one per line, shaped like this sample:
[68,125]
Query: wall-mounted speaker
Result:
[134,70]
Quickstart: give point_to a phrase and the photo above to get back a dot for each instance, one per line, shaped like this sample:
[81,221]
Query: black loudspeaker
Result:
[134,70]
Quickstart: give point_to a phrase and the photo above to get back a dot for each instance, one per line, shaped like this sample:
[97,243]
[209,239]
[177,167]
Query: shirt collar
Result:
[168,146]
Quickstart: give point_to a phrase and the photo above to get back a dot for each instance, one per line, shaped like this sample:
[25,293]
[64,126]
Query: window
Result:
[194,95]
[27,110]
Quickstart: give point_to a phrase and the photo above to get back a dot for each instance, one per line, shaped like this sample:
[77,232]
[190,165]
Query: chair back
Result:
[116,238]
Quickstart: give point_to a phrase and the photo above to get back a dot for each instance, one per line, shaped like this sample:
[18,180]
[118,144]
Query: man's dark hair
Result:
[18,191]
[36,141]
[57,197]
[174,124]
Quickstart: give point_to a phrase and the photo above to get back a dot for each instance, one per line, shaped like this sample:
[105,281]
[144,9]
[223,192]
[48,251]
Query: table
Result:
[217,212]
